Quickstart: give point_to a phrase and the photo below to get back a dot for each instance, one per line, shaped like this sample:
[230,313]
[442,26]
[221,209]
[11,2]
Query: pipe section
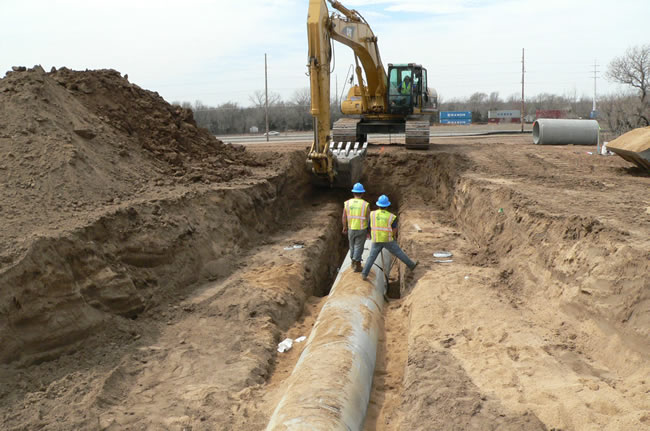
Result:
[547,131]
[329,387]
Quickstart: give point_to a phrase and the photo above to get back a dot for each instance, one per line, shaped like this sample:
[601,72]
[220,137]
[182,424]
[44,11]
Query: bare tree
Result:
[301,103]
[633,69]
[259,99]
[477,102]
[494,101]
[302,97]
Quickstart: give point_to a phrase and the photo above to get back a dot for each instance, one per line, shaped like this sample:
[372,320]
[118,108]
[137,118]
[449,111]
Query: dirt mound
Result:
[634,146]
[167,132]
[72,142]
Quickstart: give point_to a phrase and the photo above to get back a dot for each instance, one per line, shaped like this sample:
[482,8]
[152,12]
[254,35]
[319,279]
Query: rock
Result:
[85,133]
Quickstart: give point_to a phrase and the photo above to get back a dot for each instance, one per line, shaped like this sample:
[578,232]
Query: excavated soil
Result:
[148,272]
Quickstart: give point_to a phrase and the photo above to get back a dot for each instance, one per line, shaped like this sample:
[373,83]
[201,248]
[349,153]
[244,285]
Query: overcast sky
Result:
[213,50]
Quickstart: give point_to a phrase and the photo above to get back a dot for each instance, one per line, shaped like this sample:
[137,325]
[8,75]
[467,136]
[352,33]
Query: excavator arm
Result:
[340,164]
[320,55]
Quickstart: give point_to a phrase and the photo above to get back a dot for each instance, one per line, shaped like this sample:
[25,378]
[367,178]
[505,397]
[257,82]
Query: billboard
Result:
[455,117]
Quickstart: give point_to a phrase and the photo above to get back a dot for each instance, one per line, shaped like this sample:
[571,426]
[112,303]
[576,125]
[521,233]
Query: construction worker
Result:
[355,224]
[405,86]
[383,231]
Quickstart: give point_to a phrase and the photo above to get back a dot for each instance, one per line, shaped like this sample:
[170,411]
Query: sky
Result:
[213,51]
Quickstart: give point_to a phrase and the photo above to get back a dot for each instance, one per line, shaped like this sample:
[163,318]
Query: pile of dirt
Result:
[634,146]
[168,132]
[73,142]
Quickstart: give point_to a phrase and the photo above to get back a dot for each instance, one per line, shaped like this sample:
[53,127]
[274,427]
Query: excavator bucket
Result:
[348,160]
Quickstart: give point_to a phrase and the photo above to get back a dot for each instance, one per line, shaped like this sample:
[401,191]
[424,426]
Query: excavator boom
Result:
[339,164]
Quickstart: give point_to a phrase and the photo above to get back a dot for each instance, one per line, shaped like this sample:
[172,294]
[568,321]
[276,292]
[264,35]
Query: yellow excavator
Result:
[395,102]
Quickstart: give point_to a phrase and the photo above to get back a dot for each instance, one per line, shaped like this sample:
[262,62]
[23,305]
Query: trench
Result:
[443,382]
[186,336]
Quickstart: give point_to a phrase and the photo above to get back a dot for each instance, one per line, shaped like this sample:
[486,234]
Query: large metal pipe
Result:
[329,387]
[547,131]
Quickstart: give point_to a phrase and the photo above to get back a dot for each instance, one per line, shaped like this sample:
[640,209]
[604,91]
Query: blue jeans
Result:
[357,240]
[391,246]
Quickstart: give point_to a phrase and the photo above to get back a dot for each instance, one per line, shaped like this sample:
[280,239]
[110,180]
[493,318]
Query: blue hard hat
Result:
[358,188]
[383,201]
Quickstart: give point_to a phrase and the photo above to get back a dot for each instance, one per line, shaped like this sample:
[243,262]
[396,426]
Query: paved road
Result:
[308,136]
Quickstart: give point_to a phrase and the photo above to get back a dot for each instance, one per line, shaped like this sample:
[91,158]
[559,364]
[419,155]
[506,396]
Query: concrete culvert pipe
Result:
[329,388]
[548,131]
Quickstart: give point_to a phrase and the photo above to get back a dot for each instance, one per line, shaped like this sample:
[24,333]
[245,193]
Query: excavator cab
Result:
[407,90]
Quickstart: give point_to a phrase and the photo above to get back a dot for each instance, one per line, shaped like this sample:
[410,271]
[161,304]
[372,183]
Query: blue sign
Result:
[455,117]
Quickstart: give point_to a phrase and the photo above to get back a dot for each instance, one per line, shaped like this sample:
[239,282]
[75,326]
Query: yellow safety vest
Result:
[406,88]
[380,226]
[356,211]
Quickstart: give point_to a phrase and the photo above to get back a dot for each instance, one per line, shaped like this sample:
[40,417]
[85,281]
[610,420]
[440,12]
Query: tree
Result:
[477,103]
[301,102]
[259,98]
[633,69]
[618,112]
[494,101]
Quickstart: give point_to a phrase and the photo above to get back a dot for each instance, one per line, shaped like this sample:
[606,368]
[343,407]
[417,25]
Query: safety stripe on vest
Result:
[364,207]
[375,229]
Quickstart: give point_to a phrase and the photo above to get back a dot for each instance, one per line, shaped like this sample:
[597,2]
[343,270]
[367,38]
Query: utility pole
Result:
[596,71]
[266,103]
[522,90]
[336,95]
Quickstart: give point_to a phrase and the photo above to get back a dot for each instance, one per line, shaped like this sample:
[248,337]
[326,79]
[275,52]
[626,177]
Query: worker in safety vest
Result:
[405,86]
[355,224]
[383,231]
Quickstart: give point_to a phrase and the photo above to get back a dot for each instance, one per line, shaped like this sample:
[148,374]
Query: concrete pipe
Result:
[329,388]
[547,131]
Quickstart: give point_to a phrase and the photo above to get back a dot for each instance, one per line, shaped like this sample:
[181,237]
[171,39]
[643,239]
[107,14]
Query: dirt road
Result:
[163,309]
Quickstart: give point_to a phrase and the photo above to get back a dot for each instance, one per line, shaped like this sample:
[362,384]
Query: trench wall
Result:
[576,259]
[65,288]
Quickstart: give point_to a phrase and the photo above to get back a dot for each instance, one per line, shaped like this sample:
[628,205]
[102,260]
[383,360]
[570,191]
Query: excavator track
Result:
[417,135]
[345,130]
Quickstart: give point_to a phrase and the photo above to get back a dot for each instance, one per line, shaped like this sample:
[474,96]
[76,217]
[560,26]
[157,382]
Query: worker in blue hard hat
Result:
[355,224]
[383,231]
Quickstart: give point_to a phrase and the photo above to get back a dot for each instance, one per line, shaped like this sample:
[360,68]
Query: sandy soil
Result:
[148,273]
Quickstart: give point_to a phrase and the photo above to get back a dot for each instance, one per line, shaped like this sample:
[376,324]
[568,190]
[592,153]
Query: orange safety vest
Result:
[356,211]
[381,222]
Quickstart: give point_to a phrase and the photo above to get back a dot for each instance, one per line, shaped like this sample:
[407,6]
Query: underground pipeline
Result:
[329,387]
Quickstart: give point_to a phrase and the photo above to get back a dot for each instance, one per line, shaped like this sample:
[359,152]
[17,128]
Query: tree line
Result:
[619,112]
[284,115]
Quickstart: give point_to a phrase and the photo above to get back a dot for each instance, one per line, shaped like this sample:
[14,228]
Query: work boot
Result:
[357,266]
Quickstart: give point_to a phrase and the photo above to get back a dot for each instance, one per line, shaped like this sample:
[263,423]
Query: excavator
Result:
[395,102]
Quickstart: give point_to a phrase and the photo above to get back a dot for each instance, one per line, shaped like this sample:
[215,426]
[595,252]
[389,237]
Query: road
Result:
[436,132]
